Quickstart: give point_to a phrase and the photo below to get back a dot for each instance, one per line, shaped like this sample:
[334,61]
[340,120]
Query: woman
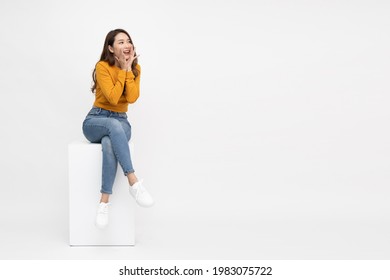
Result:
[116,83]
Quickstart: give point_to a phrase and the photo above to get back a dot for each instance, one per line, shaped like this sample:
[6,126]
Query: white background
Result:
[262,129]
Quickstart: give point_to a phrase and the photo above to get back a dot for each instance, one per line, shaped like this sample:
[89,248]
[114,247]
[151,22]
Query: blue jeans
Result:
[113,131]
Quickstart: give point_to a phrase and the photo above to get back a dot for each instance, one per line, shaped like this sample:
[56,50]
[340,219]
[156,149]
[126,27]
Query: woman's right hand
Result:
[123,63]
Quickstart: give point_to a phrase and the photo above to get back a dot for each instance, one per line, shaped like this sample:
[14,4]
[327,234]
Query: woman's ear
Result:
[110,49]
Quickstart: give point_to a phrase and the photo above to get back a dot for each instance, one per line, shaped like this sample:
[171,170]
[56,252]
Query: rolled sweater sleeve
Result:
[112,92]
[132,85]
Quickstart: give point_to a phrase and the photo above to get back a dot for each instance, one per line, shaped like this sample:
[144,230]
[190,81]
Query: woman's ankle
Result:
[132,178]
[104,198]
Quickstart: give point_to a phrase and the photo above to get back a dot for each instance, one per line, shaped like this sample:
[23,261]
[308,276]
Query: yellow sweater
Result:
[115,88]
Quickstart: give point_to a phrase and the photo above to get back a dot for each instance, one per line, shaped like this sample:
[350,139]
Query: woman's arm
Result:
[132,85]
[111,91]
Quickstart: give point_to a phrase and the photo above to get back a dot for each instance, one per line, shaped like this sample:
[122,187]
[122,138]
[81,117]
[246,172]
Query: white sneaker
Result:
[102,215]
[141,195]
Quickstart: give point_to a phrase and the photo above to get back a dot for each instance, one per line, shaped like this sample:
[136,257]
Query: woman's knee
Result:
[127,129]
[114,126]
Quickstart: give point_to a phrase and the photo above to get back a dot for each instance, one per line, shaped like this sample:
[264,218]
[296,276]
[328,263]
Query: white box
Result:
[85,178]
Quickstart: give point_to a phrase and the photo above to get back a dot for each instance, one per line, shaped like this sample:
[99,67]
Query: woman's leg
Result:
[127,128]
[110,165]
[104,130]
[137,190]
[96,128]
[119,133]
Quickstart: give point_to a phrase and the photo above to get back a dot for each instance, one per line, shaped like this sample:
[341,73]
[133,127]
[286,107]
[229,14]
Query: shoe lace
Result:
[104,209]
[140,189]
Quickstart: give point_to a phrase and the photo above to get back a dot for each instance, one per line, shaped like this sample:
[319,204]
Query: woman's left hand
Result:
[132,57]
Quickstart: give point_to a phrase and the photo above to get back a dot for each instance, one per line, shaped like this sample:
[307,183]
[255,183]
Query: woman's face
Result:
[121,46]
